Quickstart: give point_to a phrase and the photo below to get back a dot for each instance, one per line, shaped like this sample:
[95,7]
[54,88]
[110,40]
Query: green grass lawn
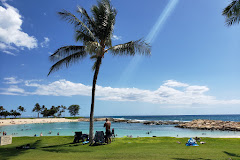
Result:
[161,148]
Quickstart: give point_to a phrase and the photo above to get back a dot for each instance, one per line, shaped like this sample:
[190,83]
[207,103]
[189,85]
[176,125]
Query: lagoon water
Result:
[125,129]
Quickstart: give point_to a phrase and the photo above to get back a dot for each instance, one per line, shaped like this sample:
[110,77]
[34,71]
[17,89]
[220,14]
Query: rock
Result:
[119,120]
[133,121]
[149,122]
[211,125]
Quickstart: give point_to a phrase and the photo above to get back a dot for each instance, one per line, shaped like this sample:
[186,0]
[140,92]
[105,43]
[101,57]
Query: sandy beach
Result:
[5,122]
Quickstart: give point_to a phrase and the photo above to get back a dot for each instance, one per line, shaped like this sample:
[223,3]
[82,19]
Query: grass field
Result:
[161,148]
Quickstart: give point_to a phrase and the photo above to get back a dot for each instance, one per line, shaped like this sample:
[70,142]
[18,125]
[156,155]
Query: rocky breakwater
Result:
[125,120]
[162,122]
[211,125]
[95,119]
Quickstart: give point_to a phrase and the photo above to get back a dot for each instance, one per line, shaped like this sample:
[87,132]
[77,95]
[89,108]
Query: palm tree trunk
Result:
[99,60]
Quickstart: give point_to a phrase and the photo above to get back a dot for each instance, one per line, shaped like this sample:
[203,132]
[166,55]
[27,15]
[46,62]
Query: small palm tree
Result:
[1,108]
[21,109]
[96,33]
[232,13]
[37,108]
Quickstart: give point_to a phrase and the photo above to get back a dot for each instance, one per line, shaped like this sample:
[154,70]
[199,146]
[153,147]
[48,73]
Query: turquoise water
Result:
[121,129]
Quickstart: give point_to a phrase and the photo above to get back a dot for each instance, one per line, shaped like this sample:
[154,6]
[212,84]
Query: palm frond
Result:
[232,8]
[73,58]
[232,20]
[93,47]
[66,51]
[79,25]
[94,57]
[81,36]
[86,18]
[104,17]
[131,48]
[94,66]
[108,41]
[232,13]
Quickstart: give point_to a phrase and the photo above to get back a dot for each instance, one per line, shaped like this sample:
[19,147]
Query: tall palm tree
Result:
[37,108]
[95,32]
[21,109]
[232,12]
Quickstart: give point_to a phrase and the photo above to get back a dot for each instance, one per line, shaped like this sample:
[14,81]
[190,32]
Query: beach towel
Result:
[191,142]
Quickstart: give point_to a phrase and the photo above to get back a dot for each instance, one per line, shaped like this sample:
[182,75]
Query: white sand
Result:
[5,122]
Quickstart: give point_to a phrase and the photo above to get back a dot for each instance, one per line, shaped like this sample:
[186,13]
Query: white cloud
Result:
[13,90]
[115,37]
[10,29]
[61,88]
[197,90]
[166,94]
[45,43]
[172,83]
[10,53]
[5,46]
[12,80]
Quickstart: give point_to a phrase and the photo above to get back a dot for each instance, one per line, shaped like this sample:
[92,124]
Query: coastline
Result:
[7,122]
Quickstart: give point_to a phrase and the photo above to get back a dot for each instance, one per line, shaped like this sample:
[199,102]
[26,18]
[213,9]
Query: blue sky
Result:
[193,69]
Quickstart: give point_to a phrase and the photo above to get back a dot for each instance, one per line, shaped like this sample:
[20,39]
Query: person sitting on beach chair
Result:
[197,139]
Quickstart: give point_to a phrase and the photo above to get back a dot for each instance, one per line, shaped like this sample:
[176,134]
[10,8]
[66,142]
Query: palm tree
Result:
[21,109]
[1,108]
[37,108]
[14,113]
[96,33]
[232,13]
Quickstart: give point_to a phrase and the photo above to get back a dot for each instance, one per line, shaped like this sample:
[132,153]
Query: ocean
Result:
[126,129]
[233,117]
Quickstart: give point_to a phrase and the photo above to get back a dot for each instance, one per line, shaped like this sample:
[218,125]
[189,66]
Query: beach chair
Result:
[99,137]
[85,137]
[113,135]
[77,137]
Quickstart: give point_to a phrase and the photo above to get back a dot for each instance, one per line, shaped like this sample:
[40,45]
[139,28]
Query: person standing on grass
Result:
[107,125]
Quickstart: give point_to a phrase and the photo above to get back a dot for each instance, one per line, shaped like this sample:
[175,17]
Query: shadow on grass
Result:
[97,144]
[231,154]
[63,148]
[190,159]
[62,145]
[9,152]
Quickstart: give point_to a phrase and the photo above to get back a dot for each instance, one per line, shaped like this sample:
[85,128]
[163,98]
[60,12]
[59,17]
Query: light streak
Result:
[152,35]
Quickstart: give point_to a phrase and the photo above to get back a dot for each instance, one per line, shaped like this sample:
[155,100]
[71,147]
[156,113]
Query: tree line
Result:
[4,113]
[44,111]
